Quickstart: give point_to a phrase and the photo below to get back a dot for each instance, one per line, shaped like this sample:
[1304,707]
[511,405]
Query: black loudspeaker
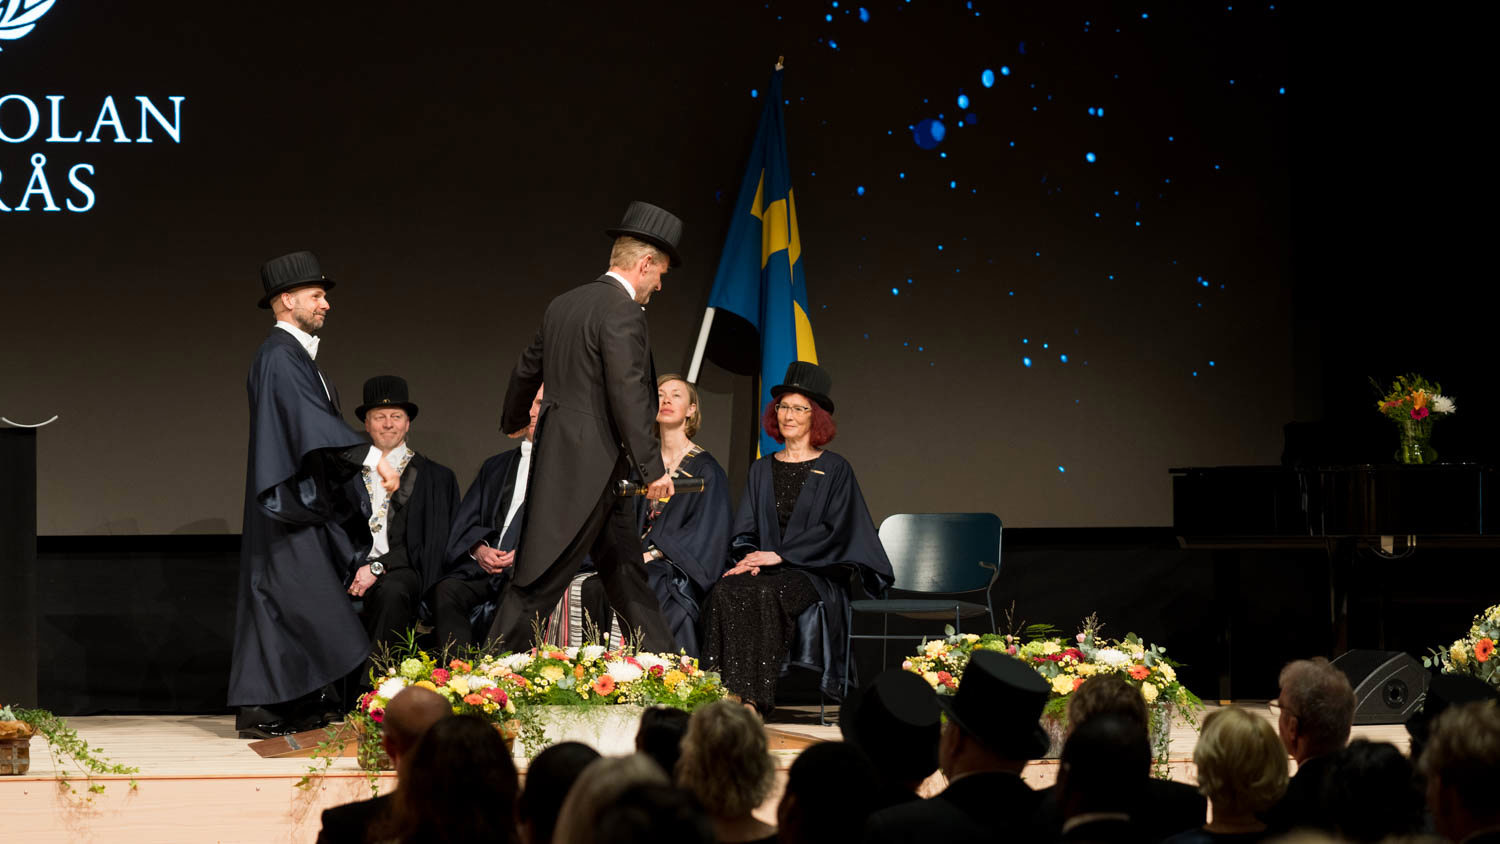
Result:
[1388,685]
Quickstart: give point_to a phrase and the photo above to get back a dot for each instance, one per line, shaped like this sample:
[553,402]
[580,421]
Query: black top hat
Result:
[299,269]
[386,391]
[656,226]
[1000,703]
[810,380]
[895,720]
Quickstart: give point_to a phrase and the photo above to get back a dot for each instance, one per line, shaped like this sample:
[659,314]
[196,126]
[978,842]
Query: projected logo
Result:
[18,17]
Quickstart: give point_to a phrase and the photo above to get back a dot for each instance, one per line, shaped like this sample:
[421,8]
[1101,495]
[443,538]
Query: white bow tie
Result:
[312,348]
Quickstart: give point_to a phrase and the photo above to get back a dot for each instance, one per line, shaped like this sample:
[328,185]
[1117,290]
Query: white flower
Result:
[1050,647]
[515,662]
[390,688]
[1442,404]
[650,661]
[1112,657]
[479,681]
[622,671]
[571,652]
[591,652]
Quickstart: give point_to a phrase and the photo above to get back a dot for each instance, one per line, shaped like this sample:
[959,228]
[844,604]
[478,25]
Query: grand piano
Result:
[1387,511]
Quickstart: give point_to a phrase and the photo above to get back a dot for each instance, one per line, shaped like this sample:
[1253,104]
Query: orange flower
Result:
[460,667]
[578,671]
[474,700]
[1419,400]
[1077,681]
[1483,648]
[604,685]
[1139,672]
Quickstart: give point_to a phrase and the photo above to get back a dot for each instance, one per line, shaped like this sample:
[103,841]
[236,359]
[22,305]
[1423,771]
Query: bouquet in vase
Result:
[1414,404]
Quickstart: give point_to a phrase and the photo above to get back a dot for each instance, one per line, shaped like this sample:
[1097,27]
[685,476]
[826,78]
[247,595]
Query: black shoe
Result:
[267,729]
[330,705]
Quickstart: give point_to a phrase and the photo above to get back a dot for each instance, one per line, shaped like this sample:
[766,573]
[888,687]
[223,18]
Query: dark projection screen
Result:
[1081,283]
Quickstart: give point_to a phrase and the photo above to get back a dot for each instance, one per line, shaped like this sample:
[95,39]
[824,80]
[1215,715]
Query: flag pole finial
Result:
[780,62]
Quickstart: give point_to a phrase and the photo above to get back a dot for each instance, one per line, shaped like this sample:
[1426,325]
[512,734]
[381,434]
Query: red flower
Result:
[496,694]
[657,671]
[1139,672]
[944,677]
[377,714]
[366,699]
[604,685]
[460,665]
[1077,681]
[1483,648]
[441,676]
[1075,653]
[1419,413]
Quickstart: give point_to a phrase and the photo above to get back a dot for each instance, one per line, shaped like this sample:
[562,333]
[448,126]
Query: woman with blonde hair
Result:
[1242,769]
[727,765]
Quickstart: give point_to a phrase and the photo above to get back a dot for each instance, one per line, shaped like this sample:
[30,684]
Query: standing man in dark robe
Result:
[295,630]
[408,530]
[597,424]
[482,542]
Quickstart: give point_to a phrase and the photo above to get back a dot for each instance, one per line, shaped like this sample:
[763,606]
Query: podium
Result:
[18,639]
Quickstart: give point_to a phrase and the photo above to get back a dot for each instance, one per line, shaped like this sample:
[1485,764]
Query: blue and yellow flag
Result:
[760,272]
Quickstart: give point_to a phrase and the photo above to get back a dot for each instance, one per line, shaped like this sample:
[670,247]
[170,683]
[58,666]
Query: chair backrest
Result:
[942,552]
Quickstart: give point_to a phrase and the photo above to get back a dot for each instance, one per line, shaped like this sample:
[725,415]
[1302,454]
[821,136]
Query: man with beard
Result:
[295,629]
[408,530]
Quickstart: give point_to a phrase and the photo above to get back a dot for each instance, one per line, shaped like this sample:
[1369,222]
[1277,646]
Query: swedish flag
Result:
[760,272]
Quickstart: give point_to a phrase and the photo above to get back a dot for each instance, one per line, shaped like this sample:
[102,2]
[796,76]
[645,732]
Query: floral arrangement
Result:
[67,746]
[508,690]
[1065,663]
[1472,654]
[1414,404]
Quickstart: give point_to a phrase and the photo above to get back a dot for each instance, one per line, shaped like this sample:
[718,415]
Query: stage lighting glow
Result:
[928,133]
[1089,157]
[987,78]
[963,102]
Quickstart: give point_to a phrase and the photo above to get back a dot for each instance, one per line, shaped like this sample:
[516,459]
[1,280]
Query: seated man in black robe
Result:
[482,544]
[406,532]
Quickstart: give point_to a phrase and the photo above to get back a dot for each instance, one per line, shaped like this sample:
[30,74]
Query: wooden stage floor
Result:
[199,783]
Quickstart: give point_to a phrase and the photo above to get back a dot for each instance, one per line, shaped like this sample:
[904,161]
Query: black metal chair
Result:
[933,554]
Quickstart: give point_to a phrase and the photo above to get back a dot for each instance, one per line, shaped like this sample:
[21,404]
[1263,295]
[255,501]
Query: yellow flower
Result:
[1167,672]
[1049,647]
[1086,669]
[460,685]
[1458,653]
[1148,692]
[673,678]
[937,647]
[553,672]
[931,678]
[1062,684]
[426,684]
[971,637]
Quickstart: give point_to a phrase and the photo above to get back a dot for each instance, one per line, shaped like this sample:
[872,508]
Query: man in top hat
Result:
[993,730]
[596,427]
[295,631]
[407,529]
[895,720]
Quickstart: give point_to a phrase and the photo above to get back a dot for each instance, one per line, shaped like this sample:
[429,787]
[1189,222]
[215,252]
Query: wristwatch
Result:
[377,568]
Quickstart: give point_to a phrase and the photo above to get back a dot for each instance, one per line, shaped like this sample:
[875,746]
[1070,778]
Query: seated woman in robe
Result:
[801,530]
[682,538]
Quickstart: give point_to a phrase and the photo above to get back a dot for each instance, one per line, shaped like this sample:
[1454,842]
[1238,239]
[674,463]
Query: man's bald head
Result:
[409,714]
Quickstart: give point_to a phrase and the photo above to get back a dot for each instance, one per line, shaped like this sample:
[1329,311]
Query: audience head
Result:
[1317,709]
[599,787]
[1371,793]
[1106,694]
[459,783]
[660,735]
[1462,756]
[1242,767]
[1105,765]
[408,716]
[895,720]
[831,789]
[1443,691]
[725,760]
[994,721]
[548,779]
[652,813]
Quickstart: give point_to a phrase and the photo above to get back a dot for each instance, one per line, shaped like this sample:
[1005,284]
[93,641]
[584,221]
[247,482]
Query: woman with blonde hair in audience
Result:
[1242,769]
[727,765]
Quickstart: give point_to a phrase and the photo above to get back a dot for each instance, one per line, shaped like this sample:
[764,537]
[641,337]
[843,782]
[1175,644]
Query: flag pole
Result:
[708,322]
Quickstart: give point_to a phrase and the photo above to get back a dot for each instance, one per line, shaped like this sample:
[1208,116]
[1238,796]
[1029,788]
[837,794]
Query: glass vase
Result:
[1416,442]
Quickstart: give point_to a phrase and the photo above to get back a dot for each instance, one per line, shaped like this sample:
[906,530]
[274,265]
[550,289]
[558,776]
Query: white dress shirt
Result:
[310,343]
[518,493]
[629,289]
[382,544]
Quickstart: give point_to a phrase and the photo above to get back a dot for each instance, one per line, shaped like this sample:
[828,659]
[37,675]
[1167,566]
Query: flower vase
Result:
[15,748]
[1416,442]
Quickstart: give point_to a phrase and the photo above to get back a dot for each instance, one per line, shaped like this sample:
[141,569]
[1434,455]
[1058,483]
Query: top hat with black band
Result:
[299,269]
[386,391]
[810,380]
[1000,702]
[656,226]
[895,720]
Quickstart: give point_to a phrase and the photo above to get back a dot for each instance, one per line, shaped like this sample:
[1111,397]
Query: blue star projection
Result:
[1103,252]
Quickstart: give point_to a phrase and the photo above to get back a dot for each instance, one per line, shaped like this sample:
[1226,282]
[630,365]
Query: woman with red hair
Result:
[801,531]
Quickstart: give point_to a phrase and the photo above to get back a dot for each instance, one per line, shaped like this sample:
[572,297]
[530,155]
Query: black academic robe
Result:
[975,809]
[829,534]
[480,517]
[350,823]
[692,532]
[427,498]
[594,350]
[295,630]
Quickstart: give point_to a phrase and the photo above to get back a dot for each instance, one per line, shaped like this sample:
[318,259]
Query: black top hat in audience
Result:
[386,391]
[298,269]
[656,226]
[810,380]
[1000,702]
[895,720]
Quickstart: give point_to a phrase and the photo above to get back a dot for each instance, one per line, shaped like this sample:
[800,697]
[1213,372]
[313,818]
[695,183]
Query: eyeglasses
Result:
[1275,707]
[797,410]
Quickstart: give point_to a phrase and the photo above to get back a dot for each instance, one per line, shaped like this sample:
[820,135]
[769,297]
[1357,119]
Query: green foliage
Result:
[68,748]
